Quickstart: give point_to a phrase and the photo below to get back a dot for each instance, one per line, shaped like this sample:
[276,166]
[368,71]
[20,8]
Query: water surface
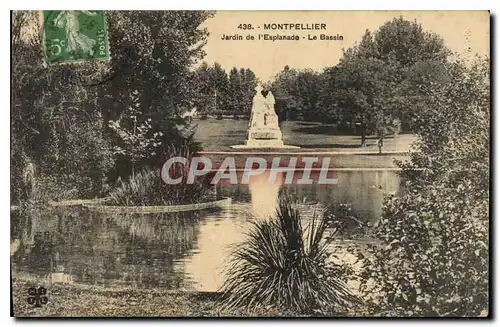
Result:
[185,251]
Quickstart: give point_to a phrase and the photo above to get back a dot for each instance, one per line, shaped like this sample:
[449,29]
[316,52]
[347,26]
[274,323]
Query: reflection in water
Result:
[79,246]
[218,232]
[364,190]
[171,251]
[174,232]
[264,195]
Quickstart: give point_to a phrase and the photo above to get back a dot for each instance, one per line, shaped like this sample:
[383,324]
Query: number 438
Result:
[245,27]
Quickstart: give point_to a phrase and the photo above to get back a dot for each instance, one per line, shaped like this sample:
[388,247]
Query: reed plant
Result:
[285,265]
[146,188]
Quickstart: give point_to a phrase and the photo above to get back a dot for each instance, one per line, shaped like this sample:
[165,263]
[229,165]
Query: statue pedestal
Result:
[264,143]
[263,136]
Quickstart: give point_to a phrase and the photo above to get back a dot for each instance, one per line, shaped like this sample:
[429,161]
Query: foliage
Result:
[406,42]
[433,260]
[376,77]
[56,128]
[220,94]
[236,91]
[147,187]
[285,266]
[59,111]
[345,221]
[153,53]
[372,85]
[84,158]
[248,84]
[284,90]
[369,90]
[138,140]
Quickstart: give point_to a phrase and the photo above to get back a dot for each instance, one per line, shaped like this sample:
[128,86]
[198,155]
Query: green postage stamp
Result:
[74,36]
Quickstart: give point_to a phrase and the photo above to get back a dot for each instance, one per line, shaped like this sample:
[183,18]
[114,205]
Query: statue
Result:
[270,101]
[258,106]
[263,128]
[270,117]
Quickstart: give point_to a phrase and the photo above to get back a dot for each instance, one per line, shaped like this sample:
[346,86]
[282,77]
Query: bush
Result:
[285,266]
[147,188]
[73,165]
[433,255]
[346,222]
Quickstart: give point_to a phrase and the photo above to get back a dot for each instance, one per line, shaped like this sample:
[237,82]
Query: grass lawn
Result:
[221,134]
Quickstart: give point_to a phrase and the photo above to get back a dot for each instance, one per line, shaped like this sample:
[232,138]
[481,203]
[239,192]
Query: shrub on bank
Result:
[147,188]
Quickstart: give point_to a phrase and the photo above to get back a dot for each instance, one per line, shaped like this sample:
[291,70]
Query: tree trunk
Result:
[381,132]
[363,134]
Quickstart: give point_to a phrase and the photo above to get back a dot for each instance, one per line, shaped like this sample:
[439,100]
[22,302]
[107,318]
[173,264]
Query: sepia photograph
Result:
[196,163]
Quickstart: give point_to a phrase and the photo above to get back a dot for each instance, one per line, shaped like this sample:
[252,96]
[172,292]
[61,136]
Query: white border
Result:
[212,5]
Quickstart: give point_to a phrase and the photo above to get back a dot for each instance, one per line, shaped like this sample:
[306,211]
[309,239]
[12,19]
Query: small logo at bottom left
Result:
[37,296]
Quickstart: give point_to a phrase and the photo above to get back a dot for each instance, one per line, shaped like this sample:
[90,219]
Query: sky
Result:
[460,30]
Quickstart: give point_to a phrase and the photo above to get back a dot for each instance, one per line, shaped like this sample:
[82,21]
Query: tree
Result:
[205,89]
[402,44]
[433,260]
[56,127]
[220,83]
[235,91]
[137,139]
[58,111]
[329,106]
[283,88]
[249,81]
[376,82]
[367,91]
[406,42]
[309,87]
[153,52]
[218,93]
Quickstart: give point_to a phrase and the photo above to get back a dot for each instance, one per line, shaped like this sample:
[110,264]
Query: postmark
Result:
[75,36]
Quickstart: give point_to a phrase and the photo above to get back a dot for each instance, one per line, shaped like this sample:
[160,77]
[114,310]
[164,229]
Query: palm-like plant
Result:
[284,266]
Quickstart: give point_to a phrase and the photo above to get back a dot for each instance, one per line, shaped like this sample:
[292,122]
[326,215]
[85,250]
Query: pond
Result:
[182,251]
